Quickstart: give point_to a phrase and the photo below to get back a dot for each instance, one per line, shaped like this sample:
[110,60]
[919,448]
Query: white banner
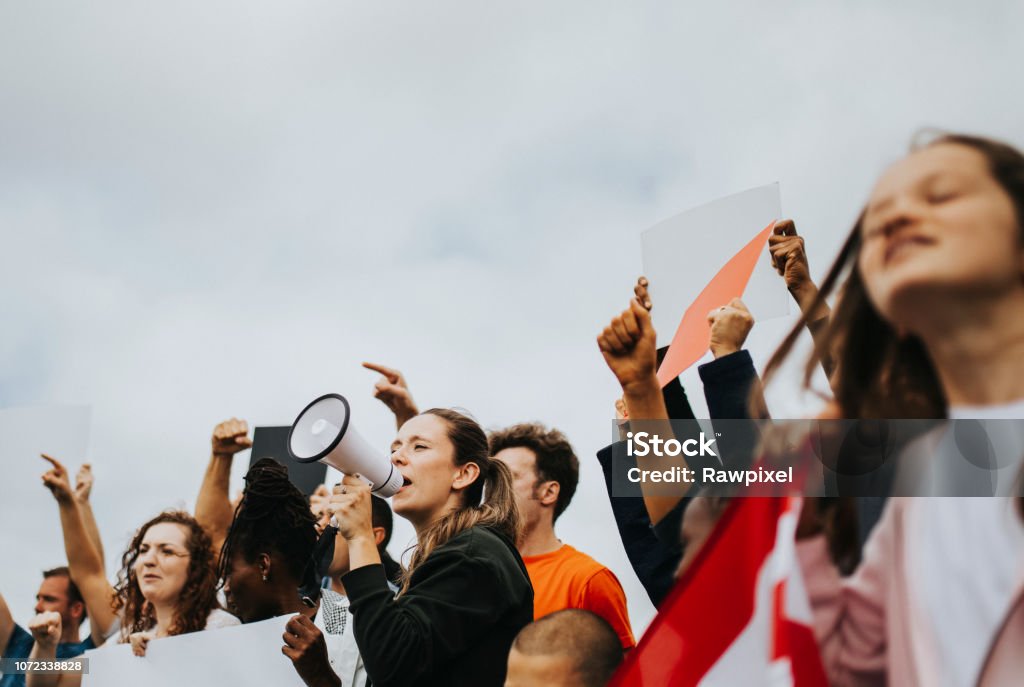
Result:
[239,655]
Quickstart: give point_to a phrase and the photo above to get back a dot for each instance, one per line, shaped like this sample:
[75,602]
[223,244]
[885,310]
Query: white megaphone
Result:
[323,432]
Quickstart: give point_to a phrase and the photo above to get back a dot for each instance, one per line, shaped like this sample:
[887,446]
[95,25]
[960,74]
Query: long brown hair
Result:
[489,501]
[880,374]
[197,598]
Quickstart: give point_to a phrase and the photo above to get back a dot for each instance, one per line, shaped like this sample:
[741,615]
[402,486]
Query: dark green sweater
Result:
[455,624]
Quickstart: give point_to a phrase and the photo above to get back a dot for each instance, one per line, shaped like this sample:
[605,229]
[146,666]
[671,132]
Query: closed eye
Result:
[942,197]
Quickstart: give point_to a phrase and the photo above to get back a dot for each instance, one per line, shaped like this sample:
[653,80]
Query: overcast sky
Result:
[219,209]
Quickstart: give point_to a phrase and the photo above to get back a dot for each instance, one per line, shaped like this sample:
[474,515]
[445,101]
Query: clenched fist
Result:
[730,325]
[46,629]
[628,346]
[304,644]
[230,437]
[788,256]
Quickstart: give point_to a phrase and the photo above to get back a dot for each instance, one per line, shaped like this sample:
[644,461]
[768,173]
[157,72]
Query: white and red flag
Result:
[740,614]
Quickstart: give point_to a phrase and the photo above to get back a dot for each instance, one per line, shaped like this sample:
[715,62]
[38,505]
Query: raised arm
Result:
[84,560]
[629,349]
[213,505]
[46,630]
[392,390]
[83,490]
[789,258]
[730,380]
[732,387]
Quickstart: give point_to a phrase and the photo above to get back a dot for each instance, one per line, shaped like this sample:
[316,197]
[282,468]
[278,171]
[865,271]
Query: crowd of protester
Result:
[928,323]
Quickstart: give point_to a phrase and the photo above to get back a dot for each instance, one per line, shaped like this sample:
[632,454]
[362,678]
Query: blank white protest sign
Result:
[683,253]
[238,655]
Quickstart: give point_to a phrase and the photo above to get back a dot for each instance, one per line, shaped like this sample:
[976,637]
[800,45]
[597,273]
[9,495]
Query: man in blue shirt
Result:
[57,593]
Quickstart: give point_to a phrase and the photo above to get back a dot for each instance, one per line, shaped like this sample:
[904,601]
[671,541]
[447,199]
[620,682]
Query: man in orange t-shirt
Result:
[545,472]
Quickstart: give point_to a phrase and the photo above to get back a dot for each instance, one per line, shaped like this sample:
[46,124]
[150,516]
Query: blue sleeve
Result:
[730,383]
[18,646]
[653,560]
[72,649]
[735,404]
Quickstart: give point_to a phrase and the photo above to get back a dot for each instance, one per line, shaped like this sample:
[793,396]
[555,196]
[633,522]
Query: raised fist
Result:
[230,437]
[788,256]
[730,325]
[46,628]
[628,346]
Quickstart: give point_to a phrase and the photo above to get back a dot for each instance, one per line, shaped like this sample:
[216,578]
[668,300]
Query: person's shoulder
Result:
[485,554]
[481,545]
[220,618]
[481,542]
[72,649]
[20,643]
[581,563]
[588,576]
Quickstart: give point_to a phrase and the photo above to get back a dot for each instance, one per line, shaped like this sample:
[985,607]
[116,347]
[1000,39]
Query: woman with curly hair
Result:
[167,585]
[168,582]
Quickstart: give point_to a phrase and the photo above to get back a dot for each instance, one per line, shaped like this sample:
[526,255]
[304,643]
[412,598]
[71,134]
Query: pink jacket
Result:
[868,628]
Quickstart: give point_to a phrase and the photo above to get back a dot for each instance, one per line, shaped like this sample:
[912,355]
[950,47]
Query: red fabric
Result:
[715,601]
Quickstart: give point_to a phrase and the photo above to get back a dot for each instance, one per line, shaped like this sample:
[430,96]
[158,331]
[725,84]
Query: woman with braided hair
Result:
[466,593]
[265,561]
[268,546]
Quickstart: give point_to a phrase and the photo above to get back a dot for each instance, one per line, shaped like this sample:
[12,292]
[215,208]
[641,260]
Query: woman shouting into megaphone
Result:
[466,592]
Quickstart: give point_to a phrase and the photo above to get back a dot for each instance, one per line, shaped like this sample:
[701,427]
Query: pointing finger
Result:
[392,375]
[53,461]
